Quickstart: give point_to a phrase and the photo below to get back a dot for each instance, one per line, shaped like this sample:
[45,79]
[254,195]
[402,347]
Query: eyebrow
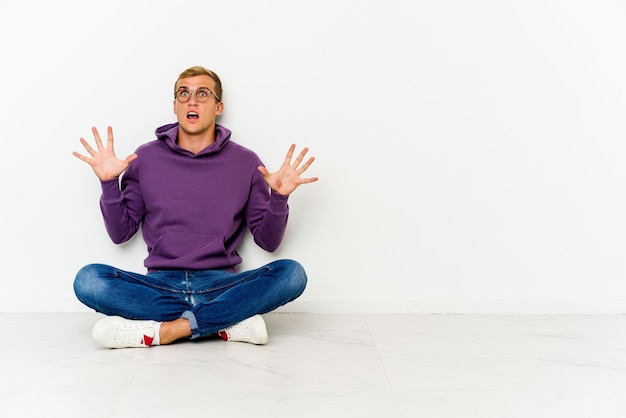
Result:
[187,88]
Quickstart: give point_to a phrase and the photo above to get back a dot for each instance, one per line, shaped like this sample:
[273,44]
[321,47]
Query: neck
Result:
[196,141]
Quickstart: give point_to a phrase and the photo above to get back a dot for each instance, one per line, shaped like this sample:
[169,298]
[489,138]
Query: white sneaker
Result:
[118,332]
[251,330]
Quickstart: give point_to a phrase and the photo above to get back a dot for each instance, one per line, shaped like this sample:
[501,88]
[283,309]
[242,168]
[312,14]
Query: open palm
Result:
[288,177]
[103,160]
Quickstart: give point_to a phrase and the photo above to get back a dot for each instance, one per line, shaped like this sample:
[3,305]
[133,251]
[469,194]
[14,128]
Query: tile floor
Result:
[318,365]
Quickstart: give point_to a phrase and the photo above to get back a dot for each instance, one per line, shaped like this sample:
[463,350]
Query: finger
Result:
[130,158]
[300,157]
[290,154]
[109,137]
[310,180]
[263,170]
[96,136]
[80,156]
[306,165]
[88,147]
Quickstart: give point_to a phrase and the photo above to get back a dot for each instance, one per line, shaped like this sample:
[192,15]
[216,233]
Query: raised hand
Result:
[103,160]
[287,178]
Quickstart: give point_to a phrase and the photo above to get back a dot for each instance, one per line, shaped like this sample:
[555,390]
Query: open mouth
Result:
[192,116]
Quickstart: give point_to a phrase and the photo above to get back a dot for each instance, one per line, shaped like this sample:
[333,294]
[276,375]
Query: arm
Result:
[119,223]
[267,214]
[268,230]
[122,210]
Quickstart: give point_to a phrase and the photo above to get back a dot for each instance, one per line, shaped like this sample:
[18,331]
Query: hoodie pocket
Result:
[193,246]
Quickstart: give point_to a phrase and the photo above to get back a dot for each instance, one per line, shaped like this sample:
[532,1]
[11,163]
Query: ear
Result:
[219,108]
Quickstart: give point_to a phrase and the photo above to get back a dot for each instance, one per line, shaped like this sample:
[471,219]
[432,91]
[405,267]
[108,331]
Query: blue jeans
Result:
[210,299]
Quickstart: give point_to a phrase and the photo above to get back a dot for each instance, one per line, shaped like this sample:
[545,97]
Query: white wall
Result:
[471,154]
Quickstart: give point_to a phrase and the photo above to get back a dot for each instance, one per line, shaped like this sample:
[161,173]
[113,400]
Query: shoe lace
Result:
[239,330]
[130,335]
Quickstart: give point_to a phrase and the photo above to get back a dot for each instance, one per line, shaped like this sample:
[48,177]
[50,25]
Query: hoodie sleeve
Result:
[267,214]
[122,208]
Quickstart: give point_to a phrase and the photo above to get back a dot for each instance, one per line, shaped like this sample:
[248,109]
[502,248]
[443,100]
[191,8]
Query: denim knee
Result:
[88,282]
[295,277]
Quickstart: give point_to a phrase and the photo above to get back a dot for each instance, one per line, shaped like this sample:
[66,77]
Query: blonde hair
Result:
[198,70]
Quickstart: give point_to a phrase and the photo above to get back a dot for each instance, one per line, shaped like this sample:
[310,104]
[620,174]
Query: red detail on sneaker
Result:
[224,335]
[147,340]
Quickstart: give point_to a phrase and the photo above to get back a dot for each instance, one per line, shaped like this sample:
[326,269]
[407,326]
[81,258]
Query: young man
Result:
[194,192]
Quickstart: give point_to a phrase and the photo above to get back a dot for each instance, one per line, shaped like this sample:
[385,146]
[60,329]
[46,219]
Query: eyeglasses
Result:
[202,95]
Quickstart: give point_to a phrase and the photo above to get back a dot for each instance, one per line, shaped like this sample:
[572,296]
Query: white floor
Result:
[324,366]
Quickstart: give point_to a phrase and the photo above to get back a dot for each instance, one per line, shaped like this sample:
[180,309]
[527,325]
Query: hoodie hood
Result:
[169,133]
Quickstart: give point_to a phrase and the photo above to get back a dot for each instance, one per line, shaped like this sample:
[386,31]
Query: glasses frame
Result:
[195,93]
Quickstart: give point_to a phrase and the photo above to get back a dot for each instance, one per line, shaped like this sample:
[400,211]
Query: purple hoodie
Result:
[193,208]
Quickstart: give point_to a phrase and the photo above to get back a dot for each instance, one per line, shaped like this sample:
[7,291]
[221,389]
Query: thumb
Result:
[263,170]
